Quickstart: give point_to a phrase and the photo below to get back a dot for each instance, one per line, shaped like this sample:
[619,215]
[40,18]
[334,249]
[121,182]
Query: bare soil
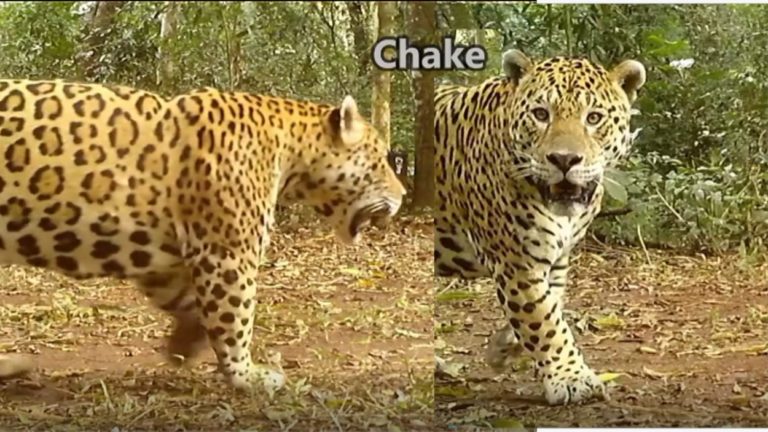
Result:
[350,325]
[687,336]
[683,341]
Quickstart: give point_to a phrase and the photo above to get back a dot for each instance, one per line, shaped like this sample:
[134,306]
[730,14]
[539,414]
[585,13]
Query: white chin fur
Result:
[566,209]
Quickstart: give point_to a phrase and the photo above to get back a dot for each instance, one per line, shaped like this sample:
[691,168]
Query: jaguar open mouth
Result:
[567,193]
[377,214]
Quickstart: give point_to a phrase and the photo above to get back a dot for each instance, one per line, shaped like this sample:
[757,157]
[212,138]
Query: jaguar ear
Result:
[515,64]
[347,121]
[630,76]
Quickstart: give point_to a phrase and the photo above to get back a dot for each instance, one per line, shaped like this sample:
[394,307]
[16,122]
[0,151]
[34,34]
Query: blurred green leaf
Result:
[615,188]
[507,423]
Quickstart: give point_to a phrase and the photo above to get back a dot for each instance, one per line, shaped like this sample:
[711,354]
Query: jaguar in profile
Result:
[179,194]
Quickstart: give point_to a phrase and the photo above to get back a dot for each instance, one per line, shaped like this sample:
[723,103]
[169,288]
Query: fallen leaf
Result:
[609,321]
[506,423]
[445,368]
[351,271]
[455,295]
[654,374]
[609,376]
[276,414]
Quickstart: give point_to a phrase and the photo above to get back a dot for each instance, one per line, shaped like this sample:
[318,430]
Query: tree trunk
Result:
[100,22]
[234,36]
[423,31]
[381,97]
[166,73]
[362,43]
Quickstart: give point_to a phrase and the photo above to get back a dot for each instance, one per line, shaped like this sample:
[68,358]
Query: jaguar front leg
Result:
[558,278]
[535,315]
[503,346]
[225,286]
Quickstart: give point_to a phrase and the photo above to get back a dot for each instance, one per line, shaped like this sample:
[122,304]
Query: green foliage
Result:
[699,166]
[39,38]
[129,54]
[713,207]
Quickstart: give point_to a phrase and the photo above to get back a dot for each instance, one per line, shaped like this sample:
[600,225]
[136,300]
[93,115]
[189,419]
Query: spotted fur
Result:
[519,167]
[179,194]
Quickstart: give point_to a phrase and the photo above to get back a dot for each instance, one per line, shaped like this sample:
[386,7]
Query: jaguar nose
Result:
[564,161]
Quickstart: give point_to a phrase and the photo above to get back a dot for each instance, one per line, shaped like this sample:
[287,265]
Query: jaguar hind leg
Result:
[15,365]
[173,293]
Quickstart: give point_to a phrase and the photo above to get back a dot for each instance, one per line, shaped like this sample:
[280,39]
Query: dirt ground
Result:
[351,326]
[688,337]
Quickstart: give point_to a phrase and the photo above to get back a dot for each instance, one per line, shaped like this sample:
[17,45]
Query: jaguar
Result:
[520,161]
[178,194]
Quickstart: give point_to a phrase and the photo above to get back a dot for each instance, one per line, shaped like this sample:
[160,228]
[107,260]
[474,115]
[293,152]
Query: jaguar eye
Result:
[541,114]
[594,118]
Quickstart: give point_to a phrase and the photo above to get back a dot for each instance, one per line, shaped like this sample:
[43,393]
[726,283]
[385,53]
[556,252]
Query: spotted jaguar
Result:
[520,161]
[178,195]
